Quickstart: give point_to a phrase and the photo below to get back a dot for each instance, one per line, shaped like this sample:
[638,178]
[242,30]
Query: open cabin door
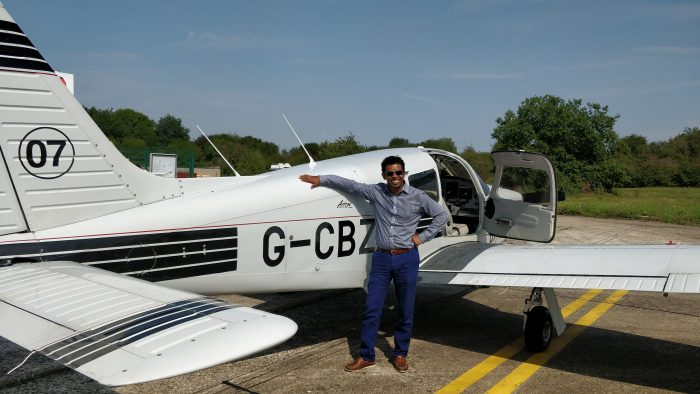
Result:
[523,200]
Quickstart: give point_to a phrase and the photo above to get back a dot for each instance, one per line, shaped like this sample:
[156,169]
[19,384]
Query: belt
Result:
[394,251]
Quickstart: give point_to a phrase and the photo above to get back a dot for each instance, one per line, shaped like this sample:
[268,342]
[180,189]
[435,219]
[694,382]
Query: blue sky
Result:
[377,69]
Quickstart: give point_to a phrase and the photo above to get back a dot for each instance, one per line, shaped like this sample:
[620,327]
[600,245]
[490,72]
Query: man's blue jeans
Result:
[403,270]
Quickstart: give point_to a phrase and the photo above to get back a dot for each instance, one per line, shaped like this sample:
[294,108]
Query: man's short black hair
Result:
[389,160]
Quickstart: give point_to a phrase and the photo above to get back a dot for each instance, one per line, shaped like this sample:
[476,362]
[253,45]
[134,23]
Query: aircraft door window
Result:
[525,184]
[426,181]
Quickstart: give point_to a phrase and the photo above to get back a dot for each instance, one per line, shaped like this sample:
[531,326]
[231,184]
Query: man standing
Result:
[397,208]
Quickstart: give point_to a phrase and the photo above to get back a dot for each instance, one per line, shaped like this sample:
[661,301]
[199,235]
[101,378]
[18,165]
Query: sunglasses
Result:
[391,173]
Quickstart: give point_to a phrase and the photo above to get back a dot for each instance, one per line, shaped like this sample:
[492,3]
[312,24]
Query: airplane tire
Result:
[538,329]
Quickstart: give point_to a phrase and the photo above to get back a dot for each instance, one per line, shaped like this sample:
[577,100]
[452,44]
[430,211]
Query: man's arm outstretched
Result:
[341,184]
[314,180]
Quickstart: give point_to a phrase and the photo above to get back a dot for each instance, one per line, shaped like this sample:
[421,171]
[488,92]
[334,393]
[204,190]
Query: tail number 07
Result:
[46,153]
[31,149]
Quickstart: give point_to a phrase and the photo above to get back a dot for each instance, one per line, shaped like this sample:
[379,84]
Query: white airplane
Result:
[102,265]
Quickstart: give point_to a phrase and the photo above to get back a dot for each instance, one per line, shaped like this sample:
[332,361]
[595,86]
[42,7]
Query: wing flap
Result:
[683,283]
[27,330]
[551,281]
[120,330]
[667,268]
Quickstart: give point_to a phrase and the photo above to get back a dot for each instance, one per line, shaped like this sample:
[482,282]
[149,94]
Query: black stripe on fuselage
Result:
[24,64]
[157,257]
[139,268]
[10,26]
[9,38]
[82,348]
[111,241]
[188,272]
[24,58]
[188,252]
[8,50]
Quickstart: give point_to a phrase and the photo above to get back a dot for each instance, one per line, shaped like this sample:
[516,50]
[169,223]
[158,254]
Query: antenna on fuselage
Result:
[217,151]
[312,163]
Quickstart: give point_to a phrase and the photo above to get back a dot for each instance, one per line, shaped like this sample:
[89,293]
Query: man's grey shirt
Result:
[396,215]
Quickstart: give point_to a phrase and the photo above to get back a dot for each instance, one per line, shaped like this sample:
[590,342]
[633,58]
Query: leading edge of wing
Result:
[120,330]
[661,268]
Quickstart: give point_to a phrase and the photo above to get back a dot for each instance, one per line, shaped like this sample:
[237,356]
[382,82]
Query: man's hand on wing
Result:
[314,180]
[416,239]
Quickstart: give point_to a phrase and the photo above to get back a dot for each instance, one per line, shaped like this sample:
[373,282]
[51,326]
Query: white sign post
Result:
[164,165]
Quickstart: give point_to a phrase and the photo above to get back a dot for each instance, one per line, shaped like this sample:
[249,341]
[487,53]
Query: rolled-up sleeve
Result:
[348,185]
[439,215]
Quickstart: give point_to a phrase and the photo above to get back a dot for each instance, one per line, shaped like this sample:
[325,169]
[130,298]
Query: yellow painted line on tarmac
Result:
[523,372]
[492,362]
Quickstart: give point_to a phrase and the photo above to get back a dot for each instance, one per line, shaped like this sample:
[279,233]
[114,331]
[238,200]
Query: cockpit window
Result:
[450,167]
[426,181]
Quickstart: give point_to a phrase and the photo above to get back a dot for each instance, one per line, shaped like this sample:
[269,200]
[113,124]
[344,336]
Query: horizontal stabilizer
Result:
[120,330]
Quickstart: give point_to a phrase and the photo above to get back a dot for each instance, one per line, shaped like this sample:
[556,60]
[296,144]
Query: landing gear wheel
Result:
[538,329]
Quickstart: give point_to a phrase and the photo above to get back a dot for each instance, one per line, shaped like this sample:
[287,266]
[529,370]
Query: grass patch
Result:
[666,204]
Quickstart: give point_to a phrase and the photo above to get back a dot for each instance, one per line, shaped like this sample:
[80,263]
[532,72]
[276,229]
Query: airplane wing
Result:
[120,330]
[659,268]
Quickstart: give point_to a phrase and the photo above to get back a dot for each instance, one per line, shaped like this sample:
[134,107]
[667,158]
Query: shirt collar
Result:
[404,189]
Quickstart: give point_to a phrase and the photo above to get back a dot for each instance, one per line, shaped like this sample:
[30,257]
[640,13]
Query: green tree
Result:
[130,123]
[248,155]
[343,146]
[636,144]
[103,119]
[169,128]
[675,162]
[579,139]
[398,142]
[440,143]
[481,162]
[296,155]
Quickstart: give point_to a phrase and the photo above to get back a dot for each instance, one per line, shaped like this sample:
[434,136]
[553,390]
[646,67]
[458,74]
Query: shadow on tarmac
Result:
[599,353]
[443,316]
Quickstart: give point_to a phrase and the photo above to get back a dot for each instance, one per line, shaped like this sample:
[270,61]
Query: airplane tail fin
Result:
[57,166]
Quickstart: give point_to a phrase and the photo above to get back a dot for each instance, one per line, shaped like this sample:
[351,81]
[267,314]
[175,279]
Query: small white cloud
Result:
[232,41]
[670,50]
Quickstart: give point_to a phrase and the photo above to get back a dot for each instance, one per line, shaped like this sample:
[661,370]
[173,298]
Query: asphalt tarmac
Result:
[465,339]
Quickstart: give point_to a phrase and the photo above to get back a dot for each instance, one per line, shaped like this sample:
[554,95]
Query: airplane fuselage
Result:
[249,234]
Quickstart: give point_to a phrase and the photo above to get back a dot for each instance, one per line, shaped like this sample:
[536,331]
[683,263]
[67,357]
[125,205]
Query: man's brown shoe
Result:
[400,363]
[358,364]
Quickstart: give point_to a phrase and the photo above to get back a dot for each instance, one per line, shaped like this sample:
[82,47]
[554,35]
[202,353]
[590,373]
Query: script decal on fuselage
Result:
[344,204]
[275,249]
